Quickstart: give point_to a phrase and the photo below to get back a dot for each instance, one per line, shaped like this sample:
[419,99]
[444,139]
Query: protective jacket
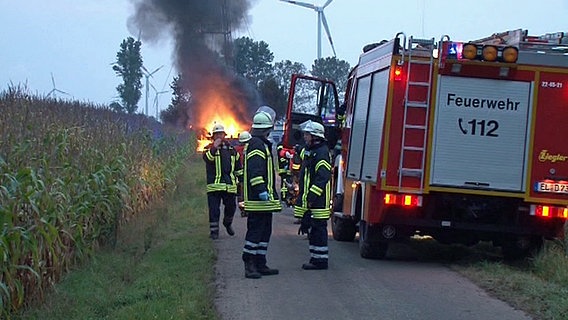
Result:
[314,182]
[259,176]
[222,167]
[283,161]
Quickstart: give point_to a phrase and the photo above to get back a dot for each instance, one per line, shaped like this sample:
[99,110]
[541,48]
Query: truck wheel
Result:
[520,247]
[368,249]
[343,229]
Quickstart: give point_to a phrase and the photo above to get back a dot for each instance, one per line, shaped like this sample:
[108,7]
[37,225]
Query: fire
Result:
[232,129]
[218,102]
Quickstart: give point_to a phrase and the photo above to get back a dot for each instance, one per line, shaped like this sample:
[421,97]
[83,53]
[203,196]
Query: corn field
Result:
[70,174]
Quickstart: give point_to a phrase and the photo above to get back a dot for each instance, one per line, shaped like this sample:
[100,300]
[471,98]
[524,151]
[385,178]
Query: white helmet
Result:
[262,120]
[218,128]
[244,137]
[314,128]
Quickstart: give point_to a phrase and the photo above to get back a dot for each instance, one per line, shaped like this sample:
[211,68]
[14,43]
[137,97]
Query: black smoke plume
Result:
[201,30]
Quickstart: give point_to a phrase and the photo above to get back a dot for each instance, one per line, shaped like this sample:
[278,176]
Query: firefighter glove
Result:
[263,196]
[305,224]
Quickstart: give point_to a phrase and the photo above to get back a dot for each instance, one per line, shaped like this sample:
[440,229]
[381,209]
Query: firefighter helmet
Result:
[218,128]
[244,137]
[314,128]
[262,120]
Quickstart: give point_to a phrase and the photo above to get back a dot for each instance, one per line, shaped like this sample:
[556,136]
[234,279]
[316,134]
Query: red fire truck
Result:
[460,141]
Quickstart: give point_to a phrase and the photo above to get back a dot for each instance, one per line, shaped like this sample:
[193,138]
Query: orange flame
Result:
[219,103]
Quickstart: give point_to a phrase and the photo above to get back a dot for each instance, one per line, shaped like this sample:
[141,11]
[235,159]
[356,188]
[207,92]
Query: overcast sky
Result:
[77,40]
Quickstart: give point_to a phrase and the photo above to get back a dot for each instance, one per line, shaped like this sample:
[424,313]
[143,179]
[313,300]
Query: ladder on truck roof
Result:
[416,48]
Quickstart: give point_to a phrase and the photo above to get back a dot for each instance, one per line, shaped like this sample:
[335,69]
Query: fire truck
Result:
[460,141]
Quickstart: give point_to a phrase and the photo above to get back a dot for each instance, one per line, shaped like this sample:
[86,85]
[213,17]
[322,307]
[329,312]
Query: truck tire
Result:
[517,248]
[371,249]
[343,229]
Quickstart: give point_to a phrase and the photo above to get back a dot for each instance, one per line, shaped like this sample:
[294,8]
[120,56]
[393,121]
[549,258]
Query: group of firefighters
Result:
[250,173]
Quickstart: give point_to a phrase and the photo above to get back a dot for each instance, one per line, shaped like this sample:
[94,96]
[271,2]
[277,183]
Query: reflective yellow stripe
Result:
[271,205]
[299,211]
[209,155]
[256,153]
[323,163]
[315,189]
[256,181]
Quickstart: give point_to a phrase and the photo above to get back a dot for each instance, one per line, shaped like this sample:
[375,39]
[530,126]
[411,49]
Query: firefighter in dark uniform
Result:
[222,166]
[313,203]
[283,170]
[260,195]
[244,137]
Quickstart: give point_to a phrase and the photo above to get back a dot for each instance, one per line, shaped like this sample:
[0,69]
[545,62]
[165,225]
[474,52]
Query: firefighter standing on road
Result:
[222,166]
[313,203]
[244,137]
[260,195]
[283,170]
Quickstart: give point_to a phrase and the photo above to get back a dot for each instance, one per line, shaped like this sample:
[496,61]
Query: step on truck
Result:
[460,141]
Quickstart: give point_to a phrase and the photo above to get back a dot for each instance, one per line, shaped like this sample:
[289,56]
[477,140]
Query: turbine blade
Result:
[326,4]
[302,4]
[328,33]
[60,91]
[52,80]
[158,69]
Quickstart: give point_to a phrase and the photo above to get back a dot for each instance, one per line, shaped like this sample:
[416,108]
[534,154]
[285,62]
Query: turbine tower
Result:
[321,20]
[149,74]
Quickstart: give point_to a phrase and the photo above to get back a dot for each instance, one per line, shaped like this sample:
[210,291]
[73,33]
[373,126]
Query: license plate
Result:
[552,187]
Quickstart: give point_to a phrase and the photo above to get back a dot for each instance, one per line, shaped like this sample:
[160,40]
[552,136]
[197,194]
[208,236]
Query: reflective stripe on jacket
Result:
[222,166]
[315,182]
[259,176]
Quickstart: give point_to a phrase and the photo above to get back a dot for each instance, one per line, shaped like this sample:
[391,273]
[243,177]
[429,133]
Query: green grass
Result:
[161,268]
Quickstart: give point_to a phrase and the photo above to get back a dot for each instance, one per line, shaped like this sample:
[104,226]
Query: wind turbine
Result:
[149,74]
[54,90]
[321,20]
[158,93]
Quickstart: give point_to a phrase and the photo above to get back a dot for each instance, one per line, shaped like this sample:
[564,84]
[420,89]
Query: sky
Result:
[76,41]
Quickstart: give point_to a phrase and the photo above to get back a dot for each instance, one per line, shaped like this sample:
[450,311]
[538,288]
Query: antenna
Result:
[321,20]
[149,74]
[55,90]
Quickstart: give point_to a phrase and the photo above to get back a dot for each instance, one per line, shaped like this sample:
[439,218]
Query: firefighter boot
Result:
[230,230]
[250,269]
[315,265]
[262,268]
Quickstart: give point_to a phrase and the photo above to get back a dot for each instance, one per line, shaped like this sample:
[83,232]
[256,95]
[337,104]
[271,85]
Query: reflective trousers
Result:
[214,200]
[319,251]
[259,230]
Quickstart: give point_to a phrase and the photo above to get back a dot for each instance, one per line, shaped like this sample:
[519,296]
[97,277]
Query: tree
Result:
[274,95]
[176,113]
[253,60]
[283,71]
[128,65]
[332,69]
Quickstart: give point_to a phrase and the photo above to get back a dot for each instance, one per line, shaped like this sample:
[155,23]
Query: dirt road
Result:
[352,288]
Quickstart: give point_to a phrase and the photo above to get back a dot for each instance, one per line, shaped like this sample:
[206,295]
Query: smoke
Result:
[201,30]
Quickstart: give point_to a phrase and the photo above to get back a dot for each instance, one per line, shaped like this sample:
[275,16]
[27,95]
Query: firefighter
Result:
[283,170]
[313,202]
[222,165]
[244,137]
[296,164]
[260,195]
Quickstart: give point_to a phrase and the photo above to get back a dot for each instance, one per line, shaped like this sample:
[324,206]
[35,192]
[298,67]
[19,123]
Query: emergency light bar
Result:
[472,51]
